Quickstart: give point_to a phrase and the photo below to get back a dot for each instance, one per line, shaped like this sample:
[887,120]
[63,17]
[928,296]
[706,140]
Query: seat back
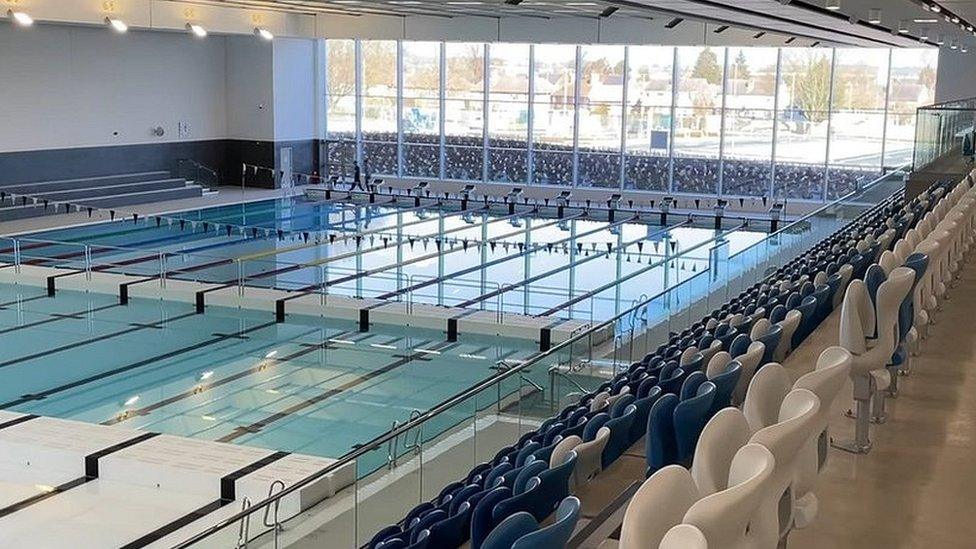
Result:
[643,410]
[589,457]
[726,518]
[619,436]
[684,536]
[659,504]
[564,446]
[750,361]
[690,386]
[717,364]
[766,392]
[557,534]
[796,426]
[721,438]
[725,383]
[690,416]
[661,446]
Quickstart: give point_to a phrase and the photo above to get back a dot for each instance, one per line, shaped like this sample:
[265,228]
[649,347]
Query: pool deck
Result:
[66,482]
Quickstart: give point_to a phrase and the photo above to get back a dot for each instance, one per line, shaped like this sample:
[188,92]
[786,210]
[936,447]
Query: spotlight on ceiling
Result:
[609,11]
[513,2]
[903,27]
[21,18]
[874,16]
[199,31]
[941,40]
[263,33]
[833,5]
[117,25]
[935,8]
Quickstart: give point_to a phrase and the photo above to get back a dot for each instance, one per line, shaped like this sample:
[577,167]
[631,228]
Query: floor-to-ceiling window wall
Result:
[793,123]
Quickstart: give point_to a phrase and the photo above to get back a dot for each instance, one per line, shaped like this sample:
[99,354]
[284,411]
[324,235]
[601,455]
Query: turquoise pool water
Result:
[306,385]
[525,264]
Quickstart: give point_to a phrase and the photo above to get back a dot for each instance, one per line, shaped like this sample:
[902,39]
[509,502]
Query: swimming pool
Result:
[306,385]
[520,263]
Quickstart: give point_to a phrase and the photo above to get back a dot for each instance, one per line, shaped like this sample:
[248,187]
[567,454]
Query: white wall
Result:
[295,84]
[250,89]
[956,75]
[66,86]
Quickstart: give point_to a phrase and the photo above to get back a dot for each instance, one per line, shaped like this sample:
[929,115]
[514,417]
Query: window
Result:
[340,97]
[379,118]
[464,119]
[857,119]
[600,115]
[802,121]
[911,85]
[698,119]
[508,113]
[648,134]
[553,114]
[421,108]
[747,138]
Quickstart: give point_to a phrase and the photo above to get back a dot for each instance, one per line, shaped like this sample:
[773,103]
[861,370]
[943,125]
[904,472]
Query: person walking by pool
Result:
[356,177]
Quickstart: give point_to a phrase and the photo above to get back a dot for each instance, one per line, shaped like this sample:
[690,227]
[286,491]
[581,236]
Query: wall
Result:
[956,76]
[79,87]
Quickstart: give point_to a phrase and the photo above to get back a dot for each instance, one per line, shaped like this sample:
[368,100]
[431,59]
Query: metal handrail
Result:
[450,403]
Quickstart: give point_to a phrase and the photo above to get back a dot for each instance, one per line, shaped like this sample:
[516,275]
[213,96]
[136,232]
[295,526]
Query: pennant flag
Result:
[493,244]
[281,234]
[464,243]
[3,195]
[159,221]
[111,214]
[89,211]
[410,239]
[254,232]
[372,240]
[182,224]
[229,229]
[521,247]
[135,218]
[305,236]
[206,226]
[386,241]
[652,203]
[674,245]
[742,202]
[640,247]
[697,203]
[437,242]
[609,247]
[426,242]
[332,238]
[579,247]
[549,247]
[657,247]
[45,204]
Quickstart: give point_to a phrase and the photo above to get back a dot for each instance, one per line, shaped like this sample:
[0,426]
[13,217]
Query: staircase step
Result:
[110,190]
[83,182]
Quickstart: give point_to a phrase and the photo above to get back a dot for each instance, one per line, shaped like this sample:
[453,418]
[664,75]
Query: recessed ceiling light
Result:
[199,31]
[833,5]
[874,16]
[924,20]
[935,8]
[21,18]
[117,24]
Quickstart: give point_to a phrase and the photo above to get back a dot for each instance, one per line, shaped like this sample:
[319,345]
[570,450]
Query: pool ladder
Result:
[393,454]
[269,520]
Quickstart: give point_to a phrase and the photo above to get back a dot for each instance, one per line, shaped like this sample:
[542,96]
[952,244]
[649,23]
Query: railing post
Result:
[240,277]
[88,272]
[162,269]
[17,256]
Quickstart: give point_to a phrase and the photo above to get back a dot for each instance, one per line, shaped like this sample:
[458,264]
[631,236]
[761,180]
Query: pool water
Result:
[306,385]
[525,265]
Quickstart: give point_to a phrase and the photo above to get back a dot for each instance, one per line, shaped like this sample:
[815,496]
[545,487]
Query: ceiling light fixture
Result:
[263,33]
[833,5]
[117,25]
[199,31]
[903,27]
[609,11]
[21,18]
[935,8]
[874,16]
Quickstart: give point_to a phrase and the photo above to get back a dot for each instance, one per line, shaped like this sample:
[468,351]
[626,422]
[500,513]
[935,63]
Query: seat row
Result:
[669,397]
[752,475]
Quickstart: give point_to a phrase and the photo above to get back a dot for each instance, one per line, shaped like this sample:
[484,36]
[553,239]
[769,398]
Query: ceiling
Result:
[809,20]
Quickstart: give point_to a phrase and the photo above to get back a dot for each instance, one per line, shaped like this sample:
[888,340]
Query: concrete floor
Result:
[915,488]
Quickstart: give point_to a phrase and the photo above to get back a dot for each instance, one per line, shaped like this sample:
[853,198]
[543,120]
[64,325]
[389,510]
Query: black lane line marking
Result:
[18,421]
[24,300]
[228,493]
[56,317]
[102,375]
[278,416]
[91,473]
[146,410]
[77,344]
